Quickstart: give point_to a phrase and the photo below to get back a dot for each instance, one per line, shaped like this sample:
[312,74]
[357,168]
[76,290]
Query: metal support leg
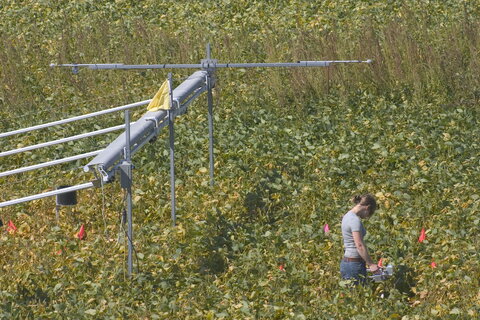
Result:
[210,127]
[172,165]
[210,73]
[126,182]
[172,153]
[130,229]
[57,213]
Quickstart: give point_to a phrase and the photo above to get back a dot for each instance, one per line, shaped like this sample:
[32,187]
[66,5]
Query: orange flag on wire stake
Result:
[422,236]
[11,227]
[380,263]
[433,265]
[326,228]
[81,234]
[161,100]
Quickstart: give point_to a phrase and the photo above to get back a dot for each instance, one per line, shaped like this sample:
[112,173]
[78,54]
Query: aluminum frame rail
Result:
[50,163]
[63,140]
[59,161]
[207,64]
[82,117]
[47,194]
[148,126]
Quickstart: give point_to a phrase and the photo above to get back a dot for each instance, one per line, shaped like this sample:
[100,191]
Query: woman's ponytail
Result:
[365,199]
[356,199]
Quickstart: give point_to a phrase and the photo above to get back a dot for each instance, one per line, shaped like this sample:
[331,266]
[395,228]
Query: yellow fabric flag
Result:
[161,100]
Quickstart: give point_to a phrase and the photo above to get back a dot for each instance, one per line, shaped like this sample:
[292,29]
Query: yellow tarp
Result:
[161,100]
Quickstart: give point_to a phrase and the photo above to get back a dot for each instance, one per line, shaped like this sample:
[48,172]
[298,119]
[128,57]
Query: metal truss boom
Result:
[207,64]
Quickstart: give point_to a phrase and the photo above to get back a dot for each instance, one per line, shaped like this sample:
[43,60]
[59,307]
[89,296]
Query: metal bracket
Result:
[125,169]
[101,176]
[104,175]
[178,103]
[154,120]
[175,111]
[209,64]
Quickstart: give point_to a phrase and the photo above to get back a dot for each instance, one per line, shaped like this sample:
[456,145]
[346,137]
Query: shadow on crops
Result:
[261,207]
[404,280]
[261,203]
[215,244]
[31,292]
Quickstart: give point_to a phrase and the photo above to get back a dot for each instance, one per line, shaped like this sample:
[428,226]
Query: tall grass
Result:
[413,52]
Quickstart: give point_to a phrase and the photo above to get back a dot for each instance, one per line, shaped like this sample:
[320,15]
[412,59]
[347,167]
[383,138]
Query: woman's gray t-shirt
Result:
[350,223]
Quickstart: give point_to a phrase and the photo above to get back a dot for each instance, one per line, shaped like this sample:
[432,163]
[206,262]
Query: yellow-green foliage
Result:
[292,146]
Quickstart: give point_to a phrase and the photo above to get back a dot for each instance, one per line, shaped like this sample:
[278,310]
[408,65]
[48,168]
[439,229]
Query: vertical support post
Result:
[127,184]
[210,74]
[208,49]
[210,127]
[57,213]
[328,79]
[172,153]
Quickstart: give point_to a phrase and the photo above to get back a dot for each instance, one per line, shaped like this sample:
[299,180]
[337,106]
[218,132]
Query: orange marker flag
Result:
[433,265]
[422,235]
[326,228]
[380,263]
[11,227]
[81,234]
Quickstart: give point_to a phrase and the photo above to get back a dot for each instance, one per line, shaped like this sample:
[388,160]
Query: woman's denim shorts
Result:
[354,270]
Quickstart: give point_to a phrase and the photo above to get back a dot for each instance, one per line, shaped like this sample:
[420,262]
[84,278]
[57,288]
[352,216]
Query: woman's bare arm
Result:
[363,251]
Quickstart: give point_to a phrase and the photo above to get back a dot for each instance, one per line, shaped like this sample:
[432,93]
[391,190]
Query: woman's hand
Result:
[374,268]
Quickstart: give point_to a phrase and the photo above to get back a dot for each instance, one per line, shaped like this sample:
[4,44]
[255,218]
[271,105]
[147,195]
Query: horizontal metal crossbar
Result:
[210,64]
[50,163]
[63,140]
[82,117]
[46,194]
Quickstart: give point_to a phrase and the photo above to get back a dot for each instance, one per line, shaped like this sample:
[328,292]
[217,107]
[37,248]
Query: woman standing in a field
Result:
[356,257]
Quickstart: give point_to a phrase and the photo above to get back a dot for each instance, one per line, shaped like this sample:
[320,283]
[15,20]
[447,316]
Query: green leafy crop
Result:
[291,147]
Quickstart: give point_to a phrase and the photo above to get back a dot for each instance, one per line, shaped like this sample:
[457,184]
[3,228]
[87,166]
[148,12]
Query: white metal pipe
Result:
[82,117]
[129,193]
[212,65]
[50,163]
[46,194]
[63,140]
[210,125]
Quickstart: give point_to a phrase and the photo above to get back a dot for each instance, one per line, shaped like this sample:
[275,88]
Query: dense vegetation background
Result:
[292,146]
